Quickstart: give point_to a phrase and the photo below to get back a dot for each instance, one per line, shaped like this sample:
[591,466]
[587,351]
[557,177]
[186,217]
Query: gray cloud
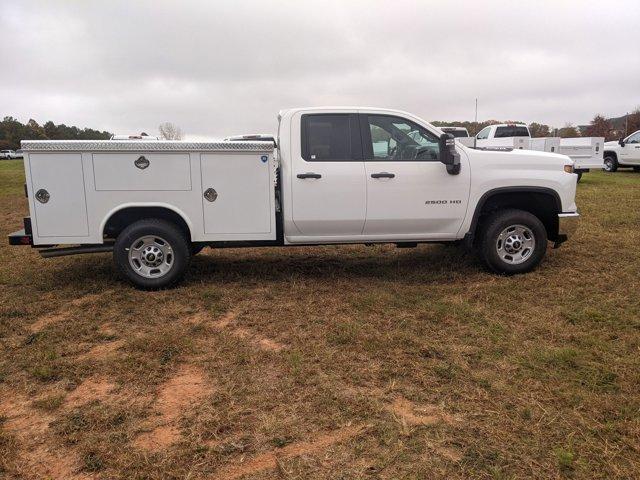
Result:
[218,68]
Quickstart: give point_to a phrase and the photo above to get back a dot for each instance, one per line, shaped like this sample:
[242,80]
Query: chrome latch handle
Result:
[42,196]
[142,162]
[210,194]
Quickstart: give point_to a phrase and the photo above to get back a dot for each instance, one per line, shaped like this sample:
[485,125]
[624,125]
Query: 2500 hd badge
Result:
[441,202]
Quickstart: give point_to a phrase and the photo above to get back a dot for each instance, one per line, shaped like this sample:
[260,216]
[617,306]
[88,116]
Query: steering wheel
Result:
[422,150]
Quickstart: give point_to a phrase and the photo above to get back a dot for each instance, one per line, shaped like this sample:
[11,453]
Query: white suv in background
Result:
[8,154]
[623,153]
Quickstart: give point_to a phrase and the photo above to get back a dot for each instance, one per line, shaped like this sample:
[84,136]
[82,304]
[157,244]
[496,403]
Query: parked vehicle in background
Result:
[623,153]
[252,137]
[586,152]
[457,132]
[134,137]
[19,153]
[8,154]
[515,135]
[336,175]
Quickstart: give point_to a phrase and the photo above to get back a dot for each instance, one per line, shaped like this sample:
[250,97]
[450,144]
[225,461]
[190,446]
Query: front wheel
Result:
[610,164]
[512,241]
[152,254]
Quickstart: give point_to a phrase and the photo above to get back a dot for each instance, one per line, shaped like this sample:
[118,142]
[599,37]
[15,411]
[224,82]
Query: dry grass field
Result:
[346,362]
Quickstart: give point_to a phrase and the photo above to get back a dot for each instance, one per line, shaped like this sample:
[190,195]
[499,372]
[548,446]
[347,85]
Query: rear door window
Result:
[331,138]
[511,131]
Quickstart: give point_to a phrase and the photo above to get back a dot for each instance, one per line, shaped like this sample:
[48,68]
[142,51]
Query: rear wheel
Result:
[636,169]
[610,164]
[512,241]
[152,254]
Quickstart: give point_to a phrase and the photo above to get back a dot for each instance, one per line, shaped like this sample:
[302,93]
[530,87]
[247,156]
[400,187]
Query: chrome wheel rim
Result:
[515,244]
[608,165]
[151,256]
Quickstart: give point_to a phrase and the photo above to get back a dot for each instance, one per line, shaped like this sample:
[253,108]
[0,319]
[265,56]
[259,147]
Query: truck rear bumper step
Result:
[62,252]
[20,238]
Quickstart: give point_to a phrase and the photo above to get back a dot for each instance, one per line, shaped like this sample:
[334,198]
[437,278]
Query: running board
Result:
[63,252]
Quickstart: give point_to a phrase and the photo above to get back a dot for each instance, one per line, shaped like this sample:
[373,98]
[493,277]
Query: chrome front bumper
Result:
[567,225]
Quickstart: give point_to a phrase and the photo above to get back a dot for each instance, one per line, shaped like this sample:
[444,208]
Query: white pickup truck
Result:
[623,153]
[333,176]
[586,152]
[504,135]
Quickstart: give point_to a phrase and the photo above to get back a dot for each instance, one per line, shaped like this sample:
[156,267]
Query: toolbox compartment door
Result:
[237,191]
[142,171]
[62,210]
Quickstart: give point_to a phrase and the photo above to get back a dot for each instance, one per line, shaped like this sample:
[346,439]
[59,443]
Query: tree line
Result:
[12,131]
[610,129]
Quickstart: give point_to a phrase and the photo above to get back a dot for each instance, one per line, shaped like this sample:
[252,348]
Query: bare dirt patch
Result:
[270,460]
[92,389]
[180,393]
[38,454]
[64,313]
[411,414]
[102,350]
[228,322]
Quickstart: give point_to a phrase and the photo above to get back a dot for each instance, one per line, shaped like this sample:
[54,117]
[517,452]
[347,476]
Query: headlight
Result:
[568,168]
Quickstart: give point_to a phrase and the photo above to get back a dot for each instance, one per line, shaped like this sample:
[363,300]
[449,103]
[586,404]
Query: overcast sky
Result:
[217,68]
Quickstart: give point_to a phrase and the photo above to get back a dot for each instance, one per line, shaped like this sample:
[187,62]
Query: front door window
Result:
[398,139]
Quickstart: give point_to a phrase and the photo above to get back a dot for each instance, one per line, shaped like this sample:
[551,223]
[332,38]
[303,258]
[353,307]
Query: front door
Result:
[409,192]
[631,151]
[327,182]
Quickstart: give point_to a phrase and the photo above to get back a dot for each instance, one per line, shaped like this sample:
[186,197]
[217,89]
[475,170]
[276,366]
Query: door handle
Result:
[309,175]
[383,175]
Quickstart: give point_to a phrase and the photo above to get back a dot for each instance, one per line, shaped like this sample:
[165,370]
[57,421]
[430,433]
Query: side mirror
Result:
[448,154]
[621,142]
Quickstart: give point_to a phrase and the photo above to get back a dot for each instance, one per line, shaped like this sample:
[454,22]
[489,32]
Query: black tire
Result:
[497,241]
[157,241]
[579,177]
[610,163]
[636,169]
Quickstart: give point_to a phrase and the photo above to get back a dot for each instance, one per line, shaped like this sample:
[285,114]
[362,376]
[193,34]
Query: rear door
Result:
[328,184]
[409,192]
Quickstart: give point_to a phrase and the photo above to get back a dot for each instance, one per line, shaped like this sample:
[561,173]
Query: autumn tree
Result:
[539,130]
[633,121]
[170,131]
[568,131]
[600,127]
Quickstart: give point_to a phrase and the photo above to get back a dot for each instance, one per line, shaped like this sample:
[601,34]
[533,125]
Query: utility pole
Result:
[475,125]
[476,118]
[626,124]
